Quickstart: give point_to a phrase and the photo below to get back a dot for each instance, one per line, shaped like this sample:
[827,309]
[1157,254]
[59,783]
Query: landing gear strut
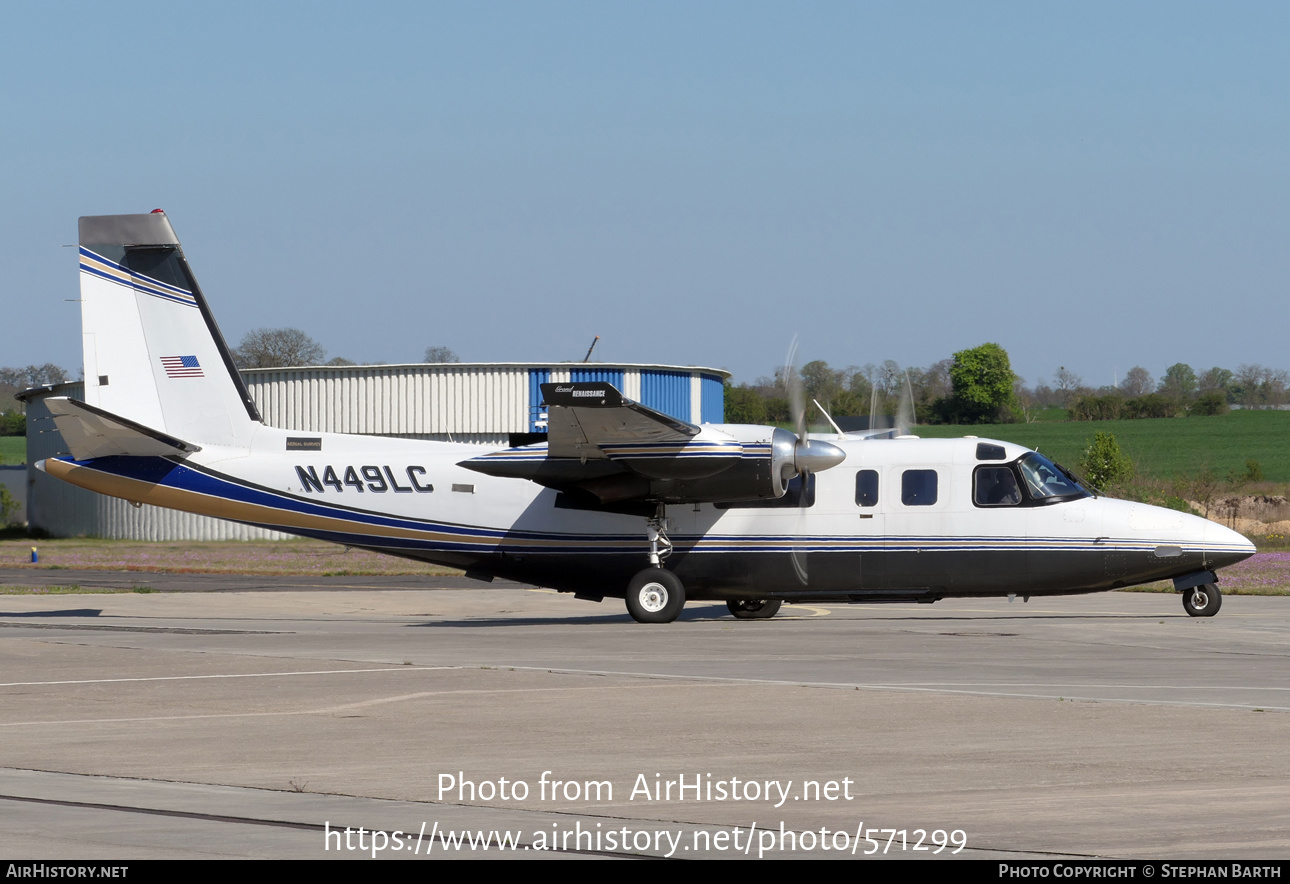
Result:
[656,530]
[656,595]
[1203,600]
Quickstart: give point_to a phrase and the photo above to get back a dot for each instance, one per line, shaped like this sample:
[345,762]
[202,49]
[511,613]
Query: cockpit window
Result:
[1046,481]
[990,451]
[996,486]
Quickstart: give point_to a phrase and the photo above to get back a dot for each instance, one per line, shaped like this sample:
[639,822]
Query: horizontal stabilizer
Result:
[92,432]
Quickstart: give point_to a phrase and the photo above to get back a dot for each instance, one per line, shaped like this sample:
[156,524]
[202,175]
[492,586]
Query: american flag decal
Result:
[181,367]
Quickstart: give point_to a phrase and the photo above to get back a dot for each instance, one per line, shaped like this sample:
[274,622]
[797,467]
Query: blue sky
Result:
[1091,185]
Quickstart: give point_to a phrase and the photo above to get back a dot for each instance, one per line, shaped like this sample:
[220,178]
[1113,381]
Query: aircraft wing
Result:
[92,432]
[603,444]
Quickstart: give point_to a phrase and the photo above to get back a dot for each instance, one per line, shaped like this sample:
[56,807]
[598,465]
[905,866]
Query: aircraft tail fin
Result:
[154,357]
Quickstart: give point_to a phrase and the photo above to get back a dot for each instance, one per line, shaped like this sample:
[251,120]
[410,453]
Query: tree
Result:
[441,356]
[32,376]
[1216,380]
[1179,382]
[1153,405]
[1104,464]
[1069,385]
[821,383]
[983,386]
[15,380]
[1204,485]
[1256,385]
[744,405]
[13,423]
[890,377]
[933,382]
[1138,382]
[9,507]
[1092,407]
[1210,404]
[278,348]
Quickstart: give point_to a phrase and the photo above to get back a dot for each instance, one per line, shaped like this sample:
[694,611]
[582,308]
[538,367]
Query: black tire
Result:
[754,609]
[1203,600]
[655,595]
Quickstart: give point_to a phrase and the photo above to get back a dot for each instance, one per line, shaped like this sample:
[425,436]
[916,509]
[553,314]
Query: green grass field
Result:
[13,449]
[1161,448]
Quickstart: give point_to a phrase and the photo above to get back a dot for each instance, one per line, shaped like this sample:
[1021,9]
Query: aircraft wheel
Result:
[1203,600]
[754,609]
[655,595]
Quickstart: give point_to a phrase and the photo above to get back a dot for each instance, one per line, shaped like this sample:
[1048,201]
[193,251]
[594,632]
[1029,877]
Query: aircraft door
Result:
[861,564]
[1002,522]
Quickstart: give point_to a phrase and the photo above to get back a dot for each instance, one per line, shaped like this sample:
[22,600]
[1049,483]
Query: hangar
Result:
[484,403]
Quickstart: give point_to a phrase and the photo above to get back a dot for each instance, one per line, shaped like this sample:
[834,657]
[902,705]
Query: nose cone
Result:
[814,455]
[1217,545]
[1224,547]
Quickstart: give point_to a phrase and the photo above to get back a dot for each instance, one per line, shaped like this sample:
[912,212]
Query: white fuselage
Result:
[411,498]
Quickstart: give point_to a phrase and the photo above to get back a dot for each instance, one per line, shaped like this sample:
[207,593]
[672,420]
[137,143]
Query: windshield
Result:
[1046,480]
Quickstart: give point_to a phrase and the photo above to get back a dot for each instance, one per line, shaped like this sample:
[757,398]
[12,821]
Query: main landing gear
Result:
[1203,600]
[656,595]
[754,609]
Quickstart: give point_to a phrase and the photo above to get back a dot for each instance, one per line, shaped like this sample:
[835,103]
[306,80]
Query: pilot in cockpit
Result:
[1002,492]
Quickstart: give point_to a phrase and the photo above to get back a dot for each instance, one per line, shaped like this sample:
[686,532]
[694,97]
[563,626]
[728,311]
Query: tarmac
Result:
[347,718]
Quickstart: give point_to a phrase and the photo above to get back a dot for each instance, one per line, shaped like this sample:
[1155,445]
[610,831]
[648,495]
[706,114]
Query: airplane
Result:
[619,501]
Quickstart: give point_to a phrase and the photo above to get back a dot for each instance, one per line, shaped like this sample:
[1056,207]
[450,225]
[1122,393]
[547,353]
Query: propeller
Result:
[809,455]
[904,418]
[905,408]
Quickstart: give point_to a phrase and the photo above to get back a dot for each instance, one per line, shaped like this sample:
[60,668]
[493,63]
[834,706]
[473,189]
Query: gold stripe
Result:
[125,278]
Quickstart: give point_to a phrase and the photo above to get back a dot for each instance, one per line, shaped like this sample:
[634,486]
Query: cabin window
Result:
[918,487]
[995,486]
[867,488]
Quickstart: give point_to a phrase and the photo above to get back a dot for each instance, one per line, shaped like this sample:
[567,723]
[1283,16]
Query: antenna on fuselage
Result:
[828,418]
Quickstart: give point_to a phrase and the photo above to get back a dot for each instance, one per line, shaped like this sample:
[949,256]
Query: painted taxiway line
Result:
[984,689]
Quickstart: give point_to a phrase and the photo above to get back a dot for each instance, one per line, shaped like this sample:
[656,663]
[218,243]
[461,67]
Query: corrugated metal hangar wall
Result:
[463,402]
[476,402]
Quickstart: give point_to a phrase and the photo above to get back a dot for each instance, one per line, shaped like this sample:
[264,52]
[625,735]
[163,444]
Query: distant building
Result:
[485,403]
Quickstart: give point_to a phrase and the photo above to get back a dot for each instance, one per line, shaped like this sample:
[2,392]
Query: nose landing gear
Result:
[1203,600]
